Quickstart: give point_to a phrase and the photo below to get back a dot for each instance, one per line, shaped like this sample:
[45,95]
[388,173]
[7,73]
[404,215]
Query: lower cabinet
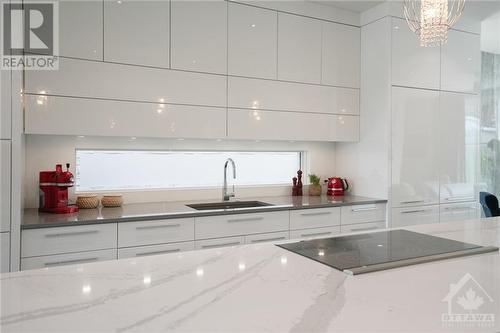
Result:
[4,252]
[155,232]
[402,217]
[314,218]
[141,251]
[459,211]
[315,233]
[67,259]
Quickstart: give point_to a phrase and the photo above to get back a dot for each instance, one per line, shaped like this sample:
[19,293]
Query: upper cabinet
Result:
[340,65]
[199,36]
[460,62]
[137,32]
[252,41]
[80,29]
[299,48]
[412,64]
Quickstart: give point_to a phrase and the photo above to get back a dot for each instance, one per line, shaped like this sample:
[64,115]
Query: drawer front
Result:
[402,217]
[155,232]
[219,242]
[67,259]
[459,212]
[241,224]
[315,233]
[362,227]
[363,213]
[142,251]
[267,238]
[46,241]
[314,218]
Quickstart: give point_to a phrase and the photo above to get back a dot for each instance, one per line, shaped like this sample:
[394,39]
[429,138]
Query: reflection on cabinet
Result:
[415,133]
[459,212]
[67,259]
[299,48]
[137,32]
[5,185]
[199,35]
[402,217]
[252,41]
[4,252]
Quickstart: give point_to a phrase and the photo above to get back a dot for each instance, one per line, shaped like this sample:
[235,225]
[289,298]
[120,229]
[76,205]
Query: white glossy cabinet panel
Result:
[341,53]
[219,242]
[67,259]
[362,227]
[460,62]
[402,217]
[267,238]
[199,35]
[412,64]
[264,125]
[79,116]
[4,252]
[155,232]
[142,251]
[287,96]
[137,32]
[314,218]
[363,213]
[415,137]
[299,48]
[458,146]
[5,183]
[252,41]
[5,106]
[80,78]
[315,233]
[459,212]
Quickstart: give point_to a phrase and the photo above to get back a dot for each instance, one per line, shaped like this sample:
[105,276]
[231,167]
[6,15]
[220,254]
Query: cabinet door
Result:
[141,251]
[415,135]
[155,232]
[362,227]
[5,104]
[219,242]
[252,41]
[460,62]
[458,146]
[412,64]
[267,238]
[403,217]
[5,168]
[363,213]
[315,233]
[459,212]
[299,48]
[137,32]
[314,218]
[199,35]
[4,252]
[341,52]
[67,259]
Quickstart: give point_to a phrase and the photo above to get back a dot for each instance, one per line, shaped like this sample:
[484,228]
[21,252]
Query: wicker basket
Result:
[87,201]
[112,201]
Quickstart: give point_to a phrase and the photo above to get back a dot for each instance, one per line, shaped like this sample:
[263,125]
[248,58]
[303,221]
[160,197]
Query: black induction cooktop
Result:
[363,253]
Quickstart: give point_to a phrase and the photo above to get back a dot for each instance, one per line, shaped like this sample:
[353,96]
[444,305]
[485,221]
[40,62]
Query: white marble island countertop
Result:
[257,288]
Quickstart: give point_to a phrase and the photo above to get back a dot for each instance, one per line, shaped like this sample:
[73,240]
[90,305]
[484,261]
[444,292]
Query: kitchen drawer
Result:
[362,213]
[362,227]
[155,232]
[240,224]
[141,251]
[67,259]
[314,218]
[459,212]
[402,217]
[314,233]
[46,241]
[219,242]
[265,238]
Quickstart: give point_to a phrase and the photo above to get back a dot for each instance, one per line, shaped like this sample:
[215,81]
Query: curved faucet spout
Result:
[225,195]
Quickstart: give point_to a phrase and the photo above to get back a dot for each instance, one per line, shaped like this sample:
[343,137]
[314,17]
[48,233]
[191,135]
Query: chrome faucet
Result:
[226,196]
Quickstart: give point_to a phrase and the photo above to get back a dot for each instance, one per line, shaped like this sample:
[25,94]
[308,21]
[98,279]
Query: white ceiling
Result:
[353,5]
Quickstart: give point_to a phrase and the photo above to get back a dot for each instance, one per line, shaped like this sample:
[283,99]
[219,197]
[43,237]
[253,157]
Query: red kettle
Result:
[337,186]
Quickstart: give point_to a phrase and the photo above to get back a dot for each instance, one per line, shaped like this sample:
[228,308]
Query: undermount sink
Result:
[228,205]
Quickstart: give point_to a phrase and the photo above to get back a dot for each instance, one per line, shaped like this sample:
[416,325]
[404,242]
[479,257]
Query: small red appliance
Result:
[54,191]
[337,186]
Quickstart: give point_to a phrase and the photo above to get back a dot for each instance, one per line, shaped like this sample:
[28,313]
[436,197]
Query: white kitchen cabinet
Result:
[67,259]
[263,125]
[219,242]
[460,62]
[299,48]
[341,53]
[79,116]
[142,251]
[5,104]
[403,217]
[4,252]
[458,146]
[58,240]
[267,237]
[362,227]
[459,212]
[81,29]
[313,233]
[415,153]
[363,213]
[314,218]
[137,32]
[252,41]
[199,35]
[412,64]
[5,182]
[155,232]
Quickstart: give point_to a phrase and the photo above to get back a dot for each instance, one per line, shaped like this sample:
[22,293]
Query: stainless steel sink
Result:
[228,205]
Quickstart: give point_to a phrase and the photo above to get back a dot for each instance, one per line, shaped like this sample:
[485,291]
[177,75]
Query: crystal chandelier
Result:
[431,19]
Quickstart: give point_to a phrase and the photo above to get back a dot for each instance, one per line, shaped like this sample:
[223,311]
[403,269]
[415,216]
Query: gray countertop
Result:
[33,219]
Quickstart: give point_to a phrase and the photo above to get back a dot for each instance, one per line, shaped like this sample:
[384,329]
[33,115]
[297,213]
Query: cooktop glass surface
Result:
[353,251]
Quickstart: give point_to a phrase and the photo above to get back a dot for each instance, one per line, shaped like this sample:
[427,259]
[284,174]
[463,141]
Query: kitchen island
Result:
[260,288]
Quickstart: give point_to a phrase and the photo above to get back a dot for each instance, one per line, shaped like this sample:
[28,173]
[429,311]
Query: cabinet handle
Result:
[316,214]
[460,198]
[156,252]
[267,239]
[412,201]
[316,234]
[363,209]
[74,261]
[363,229]
[157,226]
[415,211]
[75,233]
[219,245]
[248,219]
